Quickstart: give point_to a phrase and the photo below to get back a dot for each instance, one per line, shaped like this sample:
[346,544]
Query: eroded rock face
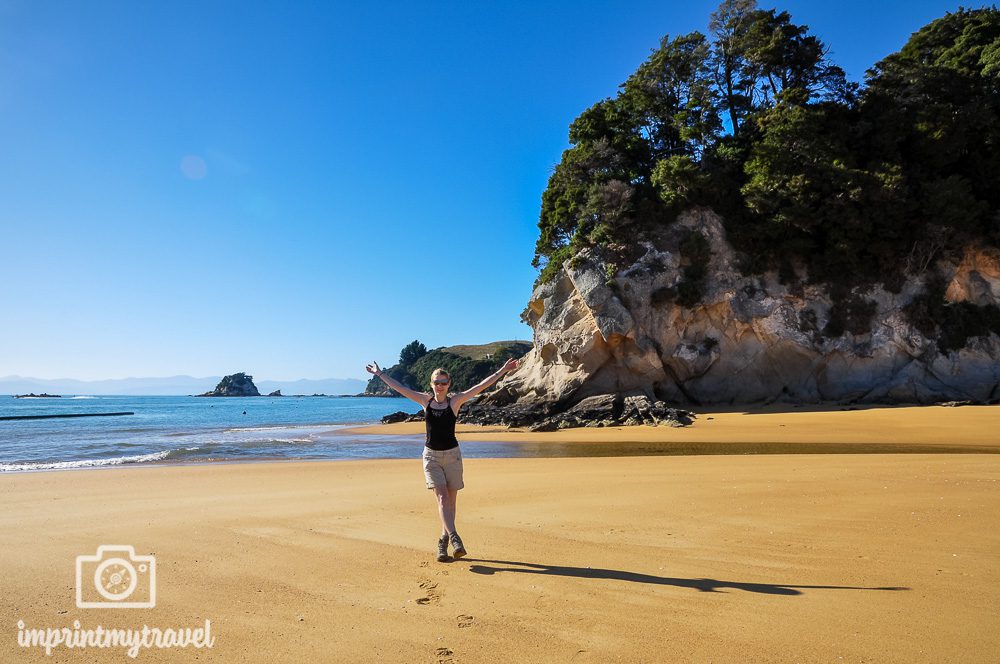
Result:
[748,340]
[976,279]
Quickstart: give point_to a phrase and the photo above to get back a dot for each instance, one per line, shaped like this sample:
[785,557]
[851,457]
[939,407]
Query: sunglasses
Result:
[441,382]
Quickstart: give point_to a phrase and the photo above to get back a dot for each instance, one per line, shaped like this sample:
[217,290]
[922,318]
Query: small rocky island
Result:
[236,385]
[43,395]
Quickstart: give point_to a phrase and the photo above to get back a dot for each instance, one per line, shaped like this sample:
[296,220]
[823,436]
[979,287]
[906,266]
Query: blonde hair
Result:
[440,371]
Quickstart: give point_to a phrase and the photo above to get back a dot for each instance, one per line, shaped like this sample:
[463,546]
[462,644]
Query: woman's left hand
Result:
[510,365]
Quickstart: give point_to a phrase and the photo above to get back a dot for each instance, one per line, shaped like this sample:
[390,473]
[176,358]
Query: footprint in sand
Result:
[444,656]
[432,596]
[465,620]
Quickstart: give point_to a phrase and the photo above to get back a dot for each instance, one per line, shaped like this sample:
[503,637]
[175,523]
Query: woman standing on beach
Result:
[442,456]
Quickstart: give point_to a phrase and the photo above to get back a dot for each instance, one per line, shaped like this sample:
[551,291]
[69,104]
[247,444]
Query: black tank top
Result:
[440,426]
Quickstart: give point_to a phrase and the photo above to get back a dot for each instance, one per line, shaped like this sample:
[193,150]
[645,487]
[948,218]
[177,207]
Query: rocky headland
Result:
[623,343]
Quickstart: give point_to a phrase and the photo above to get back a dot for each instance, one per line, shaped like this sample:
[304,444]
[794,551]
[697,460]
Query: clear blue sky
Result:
[294,189]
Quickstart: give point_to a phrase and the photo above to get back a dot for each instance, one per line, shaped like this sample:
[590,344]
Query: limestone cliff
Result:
[749,339]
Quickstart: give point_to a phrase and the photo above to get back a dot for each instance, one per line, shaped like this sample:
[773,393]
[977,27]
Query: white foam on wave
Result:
[85,397]
[250,443]
[83,463]
[289,427]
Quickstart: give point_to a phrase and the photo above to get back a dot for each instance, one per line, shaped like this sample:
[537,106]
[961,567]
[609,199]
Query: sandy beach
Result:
[721,558]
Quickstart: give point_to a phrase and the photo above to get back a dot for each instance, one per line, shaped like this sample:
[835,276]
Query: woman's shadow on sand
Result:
[702,585]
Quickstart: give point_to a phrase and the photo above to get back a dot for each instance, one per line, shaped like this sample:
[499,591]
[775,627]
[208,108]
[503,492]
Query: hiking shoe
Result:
[456,544]
[443,549]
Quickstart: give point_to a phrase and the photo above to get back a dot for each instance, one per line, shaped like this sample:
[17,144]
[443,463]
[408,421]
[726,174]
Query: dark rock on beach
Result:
[236,385]
[603,410]
[401,416]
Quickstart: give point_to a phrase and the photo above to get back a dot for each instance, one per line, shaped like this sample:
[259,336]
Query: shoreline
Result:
[605,451]
[974,427]
[777,430]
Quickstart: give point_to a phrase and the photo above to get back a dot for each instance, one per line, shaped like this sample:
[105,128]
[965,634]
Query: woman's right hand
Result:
[373,368]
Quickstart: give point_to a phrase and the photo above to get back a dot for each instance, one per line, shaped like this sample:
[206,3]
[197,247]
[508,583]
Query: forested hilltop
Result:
[467,365]
[821,179]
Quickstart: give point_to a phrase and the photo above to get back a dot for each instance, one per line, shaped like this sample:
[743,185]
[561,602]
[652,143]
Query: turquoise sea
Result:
[196,430]
[192,429]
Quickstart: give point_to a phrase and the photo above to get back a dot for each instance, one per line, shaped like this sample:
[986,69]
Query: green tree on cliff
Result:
[859,185]
[412,352]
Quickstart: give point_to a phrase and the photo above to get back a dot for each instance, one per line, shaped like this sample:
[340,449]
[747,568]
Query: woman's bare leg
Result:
[447,500]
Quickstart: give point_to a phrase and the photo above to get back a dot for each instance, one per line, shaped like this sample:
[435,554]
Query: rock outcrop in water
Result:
[748,339]
[236,385]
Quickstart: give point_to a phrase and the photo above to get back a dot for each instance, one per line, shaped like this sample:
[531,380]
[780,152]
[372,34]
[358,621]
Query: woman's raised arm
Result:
[420,397]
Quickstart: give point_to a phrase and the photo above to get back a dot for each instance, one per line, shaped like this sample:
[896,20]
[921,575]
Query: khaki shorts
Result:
[443,468]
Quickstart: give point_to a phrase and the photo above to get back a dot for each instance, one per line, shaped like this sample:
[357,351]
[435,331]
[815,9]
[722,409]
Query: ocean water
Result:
[197,430]
[192,429]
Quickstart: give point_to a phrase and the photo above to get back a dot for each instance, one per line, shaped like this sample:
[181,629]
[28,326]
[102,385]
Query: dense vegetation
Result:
[467,365]
[854,184]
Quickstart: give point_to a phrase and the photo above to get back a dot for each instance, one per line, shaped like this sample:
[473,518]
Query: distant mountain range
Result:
[172,385]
